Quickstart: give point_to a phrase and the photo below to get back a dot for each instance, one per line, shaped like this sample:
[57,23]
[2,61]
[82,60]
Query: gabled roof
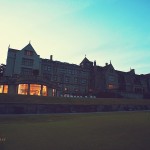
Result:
[28,47]
[85,60]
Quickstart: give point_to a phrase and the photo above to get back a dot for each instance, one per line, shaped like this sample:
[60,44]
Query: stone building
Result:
[28,74]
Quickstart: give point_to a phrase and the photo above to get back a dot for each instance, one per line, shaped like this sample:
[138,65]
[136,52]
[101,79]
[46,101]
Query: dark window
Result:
[76,80]
[27,62]
[84,81]
[28,53]
[26,71]
[61,79]
[55,78]
[67,79]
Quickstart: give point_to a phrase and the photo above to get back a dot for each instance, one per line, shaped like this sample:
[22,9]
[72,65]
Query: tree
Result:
[2,69]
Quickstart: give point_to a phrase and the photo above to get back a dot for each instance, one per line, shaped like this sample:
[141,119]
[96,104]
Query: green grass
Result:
[93,131]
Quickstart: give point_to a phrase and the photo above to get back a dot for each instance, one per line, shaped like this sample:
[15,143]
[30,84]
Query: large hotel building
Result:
[27,74]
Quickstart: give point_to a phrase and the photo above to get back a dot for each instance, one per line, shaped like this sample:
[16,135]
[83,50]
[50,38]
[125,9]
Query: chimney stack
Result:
[95,63]
[51,57]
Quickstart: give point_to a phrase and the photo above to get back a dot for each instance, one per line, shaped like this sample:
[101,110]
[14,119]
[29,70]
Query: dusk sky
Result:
[103,30]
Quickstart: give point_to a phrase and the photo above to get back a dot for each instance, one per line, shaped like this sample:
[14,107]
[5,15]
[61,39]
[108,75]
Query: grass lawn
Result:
[93,131]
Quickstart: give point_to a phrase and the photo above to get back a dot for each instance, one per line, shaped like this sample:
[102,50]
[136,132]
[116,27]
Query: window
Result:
[84,81]
[72,72]
[76,80]
[84,73]
[69,71]
[47,76]
[23,89]
[61,78]
[35,89]
[55,78]
[44,90]
[111,78]
[67,79]
[49,68]
[111,86]
[66,89]
[28,53]
[27,62]
[76,89]
[26,71]
[3,88]
[45,68]
[53,92]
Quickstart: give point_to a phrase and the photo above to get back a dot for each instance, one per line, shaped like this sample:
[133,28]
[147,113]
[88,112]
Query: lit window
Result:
[53,92]
[44,91]
[111,86]
[23,89]
[3,88]
[35,89]
[65,89]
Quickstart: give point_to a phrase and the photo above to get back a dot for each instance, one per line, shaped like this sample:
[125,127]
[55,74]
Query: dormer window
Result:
[28,53]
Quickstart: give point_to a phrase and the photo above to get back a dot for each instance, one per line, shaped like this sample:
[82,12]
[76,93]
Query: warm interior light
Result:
[1,88]
[110,86]
[53,92]
[23,89]
[35,89]
[44,90]
[5,89]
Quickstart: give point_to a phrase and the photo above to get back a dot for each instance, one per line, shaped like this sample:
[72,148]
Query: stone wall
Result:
[24,108]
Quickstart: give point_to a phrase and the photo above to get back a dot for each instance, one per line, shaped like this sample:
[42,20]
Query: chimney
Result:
[95,63]
[51,57]
[106,64]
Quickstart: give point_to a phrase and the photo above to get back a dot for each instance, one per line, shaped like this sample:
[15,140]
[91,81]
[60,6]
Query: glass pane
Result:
[44,90]
[1,88]
[35,89]
[5,89]
[53,92]
[23,89]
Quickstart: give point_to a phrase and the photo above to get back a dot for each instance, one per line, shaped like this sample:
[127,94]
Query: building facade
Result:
[27,74]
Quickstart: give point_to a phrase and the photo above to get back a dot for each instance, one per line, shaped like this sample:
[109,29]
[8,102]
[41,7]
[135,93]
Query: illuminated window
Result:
[35,89]
[23,89]
[111,86]
[3,88]
[53,92]
[44,90]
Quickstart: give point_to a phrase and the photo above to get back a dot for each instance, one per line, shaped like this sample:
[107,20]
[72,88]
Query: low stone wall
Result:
[24,108]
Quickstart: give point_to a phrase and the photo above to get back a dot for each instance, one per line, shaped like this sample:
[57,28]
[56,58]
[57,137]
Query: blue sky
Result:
[104,30]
